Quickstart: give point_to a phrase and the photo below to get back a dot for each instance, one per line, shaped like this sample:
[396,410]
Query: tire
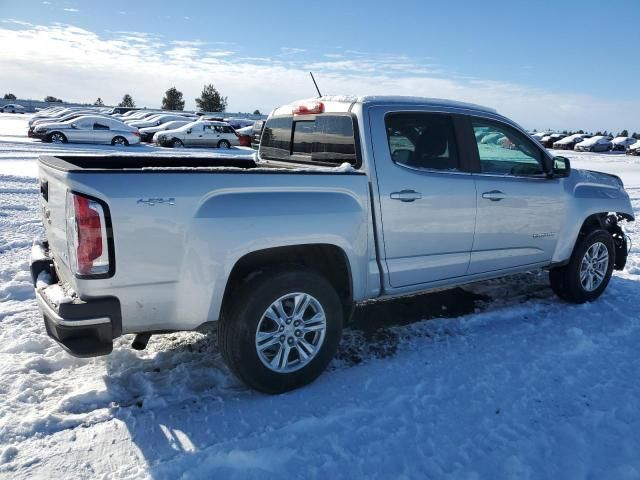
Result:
[572,282]
[177,143]
[246,315]
[119,141]
[224,144]
[57,137]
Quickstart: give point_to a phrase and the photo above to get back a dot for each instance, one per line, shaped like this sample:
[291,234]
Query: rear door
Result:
[102,131]
[519,209]
[427,195]
[195,138]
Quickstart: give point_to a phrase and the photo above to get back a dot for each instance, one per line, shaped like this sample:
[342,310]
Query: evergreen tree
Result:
[256,112]
[9,96]
[636,135]
[127,101]
[210,100]
[173,100]
[623,133]
[99,102]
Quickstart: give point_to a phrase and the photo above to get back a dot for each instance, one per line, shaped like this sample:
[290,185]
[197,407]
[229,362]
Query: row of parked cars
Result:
[583,142]
[117,126]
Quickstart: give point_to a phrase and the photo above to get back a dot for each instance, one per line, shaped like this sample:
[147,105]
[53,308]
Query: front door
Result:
[519,209]
[427,199]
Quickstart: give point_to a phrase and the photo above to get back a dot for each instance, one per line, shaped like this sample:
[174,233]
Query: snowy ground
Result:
[497,380]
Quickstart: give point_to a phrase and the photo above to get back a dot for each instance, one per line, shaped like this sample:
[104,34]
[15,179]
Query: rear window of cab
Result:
[324,139]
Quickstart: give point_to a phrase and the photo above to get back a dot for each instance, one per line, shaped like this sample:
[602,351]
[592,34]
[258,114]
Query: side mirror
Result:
[561,167]
[189,131]
[73,125]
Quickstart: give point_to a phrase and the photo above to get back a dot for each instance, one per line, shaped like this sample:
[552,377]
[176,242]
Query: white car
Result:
[147,133]
[622,143]
[56,115]
[12,108]
[599,143]
[156,120]
[139,115]
[567,143]
[89,129]
[199,134]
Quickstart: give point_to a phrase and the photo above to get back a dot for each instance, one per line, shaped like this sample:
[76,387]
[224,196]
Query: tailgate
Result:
[53,192]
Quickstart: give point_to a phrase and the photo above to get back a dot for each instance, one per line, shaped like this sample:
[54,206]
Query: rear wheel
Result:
[57,137]
[119,141]
[589,270]
[224,144]
[177,143]
[281,329]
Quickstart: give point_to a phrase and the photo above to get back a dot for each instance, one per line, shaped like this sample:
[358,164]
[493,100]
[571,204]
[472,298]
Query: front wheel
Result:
[281,329]
[589,270]
[57,137]
[177,143]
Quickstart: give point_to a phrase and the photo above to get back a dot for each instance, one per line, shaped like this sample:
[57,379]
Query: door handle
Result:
[406,195]
[494,195]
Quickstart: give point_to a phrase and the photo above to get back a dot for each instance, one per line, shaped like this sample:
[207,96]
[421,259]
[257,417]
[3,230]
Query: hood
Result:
[595,179]
[49,126]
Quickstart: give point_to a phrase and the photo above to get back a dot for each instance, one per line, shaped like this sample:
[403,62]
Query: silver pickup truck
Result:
[349,199]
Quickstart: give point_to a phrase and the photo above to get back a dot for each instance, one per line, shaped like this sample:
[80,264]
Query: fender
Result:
[589,193]
[235,222]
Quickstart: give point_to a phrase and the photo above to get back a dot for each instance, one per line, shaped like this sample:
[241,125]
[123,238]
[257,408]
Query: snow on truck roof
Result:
[347,100]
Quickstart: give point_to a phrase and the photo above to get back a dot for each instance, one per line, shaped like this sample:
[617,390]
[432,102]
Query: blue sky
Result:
[563,64]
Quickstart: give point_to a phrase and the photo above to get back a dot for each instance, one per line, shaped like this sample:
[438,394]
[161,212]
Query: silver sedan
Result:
[89,129]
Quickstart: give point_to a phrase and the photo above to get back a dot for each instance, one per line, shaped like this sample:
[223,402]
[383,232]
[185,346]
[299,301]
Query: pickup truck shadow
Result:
[182,399]
[181,406]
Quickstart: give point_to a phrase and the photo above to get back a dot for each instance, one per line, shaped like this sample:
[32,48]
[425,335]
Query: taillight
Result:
[136,133]
[87,236]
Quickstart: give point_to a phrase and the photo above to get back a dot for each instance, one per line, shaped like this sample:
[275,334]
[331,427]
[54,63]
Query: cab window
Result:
[505,151]
[422,140]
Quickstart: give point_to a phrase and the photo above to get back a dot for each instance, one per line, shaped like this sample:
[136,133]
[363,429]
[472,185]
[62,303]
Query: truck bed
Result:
[180,224]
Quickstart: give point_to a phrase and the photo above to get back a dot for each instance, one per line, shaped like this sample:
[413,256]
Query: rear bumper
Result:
[84,328]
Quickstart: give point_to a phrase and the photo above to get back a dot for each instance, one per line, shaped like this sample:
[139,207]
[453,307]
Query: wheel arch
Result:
[609,221]
[329,260]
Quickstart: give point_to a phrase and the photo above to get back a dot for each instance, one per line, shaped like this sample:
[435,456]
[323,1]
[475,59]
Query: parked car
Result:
[63,118]
[599,143]
[244,136]
[155,120]
[634,149]
[88,129]
[199,134]
[147,133]
[280,250]
[237,123]
[256,133]
[140,115]
[621,144]
[567,143]
[56,115]
[548,140]
[12,108]
[123,110]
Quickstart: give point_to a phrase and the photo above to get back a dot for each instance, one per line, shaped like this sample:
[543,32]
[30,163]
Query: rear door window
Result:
[425,141]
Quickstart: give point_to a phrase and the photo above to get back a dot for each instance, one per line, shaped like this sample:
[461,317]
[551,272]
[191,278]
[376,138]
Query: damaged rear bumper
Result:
[84,328]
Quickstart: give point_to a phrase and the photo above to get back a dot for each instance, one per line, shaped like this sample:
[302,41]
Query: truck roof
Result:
[343,102]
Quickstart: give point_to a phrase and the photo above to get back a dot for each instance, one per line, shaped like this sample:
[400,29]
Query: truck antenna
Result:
[314,82]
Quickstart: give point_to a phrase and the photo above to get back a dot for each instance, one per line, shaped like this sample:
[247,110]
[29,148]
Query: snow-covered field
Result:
[496,380]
